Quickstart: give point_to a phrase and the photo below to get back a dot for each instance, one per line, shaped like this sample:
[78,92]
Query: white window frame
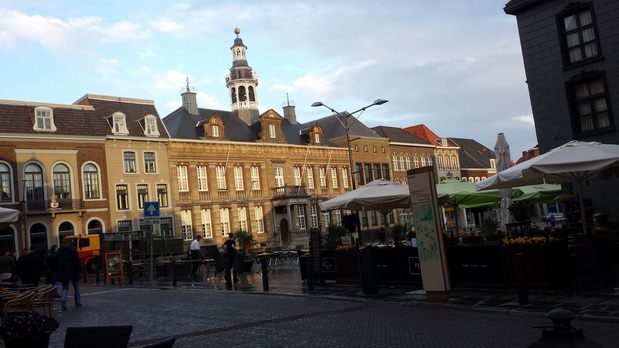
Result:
[314,215]
[130,165]
[334,183]
[316,138]
[272,133]
[238,178]
[181,176]
[221,178]
[242,214]
[310,177]
[150,126]
[394,158]
[301,217]
[259,214]
[186,224]
[322,175]
[119,124]
[296,175]
[338,217]
[202,172]
[345,182]
[150,165]
[207,224]
[215,131]
[44,119]
[91,181]
[278,173]
[255,177]
[224,220]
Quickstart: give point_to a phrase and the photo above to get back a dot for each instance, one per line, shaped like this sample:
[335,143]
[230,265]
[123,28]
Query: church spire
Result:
[242,83]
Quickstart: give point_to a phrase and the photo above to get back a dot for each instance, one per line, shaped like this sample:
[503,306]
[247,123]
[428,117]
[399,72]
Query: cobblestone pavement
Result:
[335,315]
[201,317]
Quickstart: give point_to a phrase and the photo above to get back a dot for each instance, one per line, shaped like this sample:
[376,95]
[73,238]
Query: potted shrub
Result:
[27,330]
[488,228]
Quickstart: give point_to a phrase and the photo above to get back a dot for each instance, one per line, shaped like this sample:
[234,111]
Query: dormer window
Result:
[119,125]
[215,131]
[44,119]
[150,126]
[272,133]
[316,138]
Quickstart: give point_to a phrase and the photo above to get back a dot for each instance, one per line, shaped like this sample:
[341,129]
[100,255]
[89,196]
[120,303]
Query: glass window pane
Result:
[569,22]
[586,123]
[585,18]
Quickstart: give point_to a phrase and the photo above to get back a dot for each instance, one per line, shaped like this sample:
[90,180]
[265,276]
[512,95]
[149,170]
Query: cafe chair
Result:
[44,298]
[166,343]
[18,304]
[97,337]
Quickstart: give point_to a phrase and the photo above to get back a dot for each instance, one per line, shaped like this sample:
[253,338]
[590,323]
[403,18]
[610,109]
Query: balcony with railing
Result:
[290,192]
[43,205]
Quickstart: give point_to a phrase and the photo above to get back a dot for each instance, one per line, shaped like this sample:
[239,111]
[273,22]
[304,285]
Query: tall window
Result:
[220,173]
[376,171]
[439,160]
[334,178]
[322,175]
[272,133]
[207,225]
[129,162]
[402,164]
[224,219]
[314,215]
[385,171]
[590,105]
[255,177]
[345,182]
[122,197]
[6,183]
[310,177]
[62,181]
[446,162]
[396,166]
[120,126]
[259,214]
[150,164]
[416,161]
[338,217]
[278,172]
[373,217]
[181,175]
[166,228]
[142,190]
[429,160]
[454,162]
[162,195]
[202,178]
[186,224]
[150,126]
[238,178]
[34,182]
[242,213]
[124,226]
[91,181]
[368,172]
[44,119]
[422,160]
[407,162]
[301,217]
[296,175]
[215,131]
[580,39]
[327,218]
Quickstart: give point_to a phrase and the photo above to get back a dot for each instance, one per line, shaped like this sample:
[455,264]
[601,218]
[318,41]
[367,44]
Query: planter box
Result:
[475,265]
[545,266]
[347,267]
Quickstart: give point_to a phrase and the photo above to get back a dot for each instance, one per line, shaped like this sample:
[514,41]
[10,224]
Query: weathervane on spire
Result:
[188,88]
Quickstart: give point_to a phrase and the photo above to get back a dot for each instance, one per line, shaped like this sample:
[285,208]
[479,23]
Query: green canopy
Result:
[542,193]
[462,194]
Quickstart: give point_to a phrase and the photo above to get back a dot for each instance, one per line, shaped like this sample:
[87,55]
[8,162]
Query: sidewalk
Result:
[590,299]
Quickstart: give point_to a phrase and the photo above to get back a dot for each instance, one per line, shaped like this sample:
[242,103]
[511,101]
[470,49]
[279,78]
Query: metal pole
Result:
[152,259]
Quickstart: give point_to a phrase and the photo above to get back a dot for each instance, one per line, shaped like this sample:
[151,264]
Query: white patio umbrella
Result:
[381,195]
[575,161]
[7,217]
[503,161]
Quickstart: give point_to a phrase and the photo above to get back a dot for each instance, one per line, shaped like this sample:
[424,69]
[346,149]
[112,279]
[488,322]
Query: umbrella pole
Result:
[581,202]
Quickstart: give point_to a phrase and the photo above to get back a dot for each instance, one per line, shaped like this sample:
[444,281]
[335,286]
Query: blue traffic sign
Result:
[151,209]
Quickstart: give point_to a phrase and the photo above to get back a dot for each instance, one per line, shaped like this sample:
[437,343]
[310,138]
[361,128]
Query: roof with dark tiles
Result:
[333,128]
[134,110]
[398,135]
[17,117]
[473,154]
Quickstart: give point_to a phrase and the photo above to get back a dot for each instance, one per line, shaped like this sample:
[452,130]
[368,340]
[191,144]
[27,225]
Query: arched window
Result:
[252,96]
[454,162]
[34,182]
[6,183]
[242,94]
[91,181]
[65,229]
[7,238]
[446,162]
[95,227]
[38,236]
[233,94]
[62,181]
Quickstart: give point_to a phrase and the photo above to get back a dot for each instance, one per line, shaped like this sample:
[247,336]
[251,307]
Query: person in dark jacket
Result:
[52,265]
[30,267]
[68,269]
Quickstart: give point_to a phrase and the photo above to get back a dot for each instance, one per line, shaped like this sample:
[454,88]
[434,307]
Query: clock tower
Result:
[242,83]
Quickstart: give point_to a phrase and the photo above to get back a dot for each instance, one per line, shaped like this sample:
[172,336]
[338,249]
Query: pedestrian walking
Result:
[8,267]
[31,267]
[196,255]
[68,269]
[229,248]
[52,265]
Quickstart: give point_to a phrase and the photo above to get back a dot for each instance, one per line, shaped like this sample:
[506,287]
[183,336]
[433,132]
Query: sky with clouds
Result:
[455,66]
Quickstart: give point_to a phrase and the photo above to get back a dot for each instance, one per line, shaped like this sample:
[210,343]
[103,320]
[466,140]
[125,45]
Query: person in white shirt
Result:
[196,254]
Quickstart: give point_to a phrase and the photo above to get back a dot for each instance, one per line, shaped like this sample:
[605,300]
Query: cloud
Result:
[526,119]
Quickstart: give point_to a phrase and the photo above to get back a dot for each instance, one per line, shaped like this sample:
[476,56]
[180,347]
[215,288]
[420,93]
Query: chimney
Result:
[290,114]
[189,102]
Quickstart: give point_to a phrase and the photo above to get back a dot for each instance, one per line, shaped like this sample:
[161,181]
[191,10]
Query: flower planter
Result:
[545,265]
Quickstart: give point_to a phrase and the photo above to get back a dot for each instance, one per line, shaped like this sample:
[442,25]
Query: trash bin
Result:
[369,270]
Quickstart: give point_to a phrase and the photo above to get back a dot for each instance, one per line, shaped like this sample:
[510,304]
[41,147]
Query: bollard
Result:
[310,273]
[227,275]
[97,280]
[561,333]
[173,265]
[129,270]
[523,292]
[265,273]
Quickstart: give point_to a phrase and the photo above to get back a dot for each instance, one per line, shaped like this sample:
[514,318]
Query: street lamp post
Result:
[347,124]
